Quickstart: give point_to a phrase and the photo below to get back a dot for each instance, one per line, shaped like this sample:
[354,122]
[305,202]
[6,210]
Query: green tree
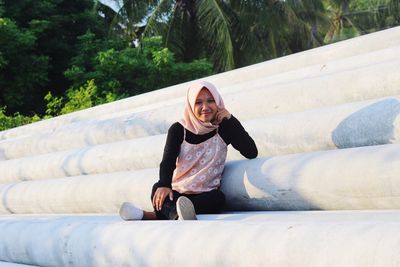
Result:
[127,22]
[23,70]
[188,27]
[130,71]
[54,25]
[308,23]
[7,121]
[84,97]
[373,15]
[231,33]
[341,24]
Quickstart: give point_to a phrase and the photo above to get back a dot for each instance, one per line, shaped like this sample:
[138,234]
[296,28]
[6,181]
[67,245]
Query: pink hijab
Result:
[189,120]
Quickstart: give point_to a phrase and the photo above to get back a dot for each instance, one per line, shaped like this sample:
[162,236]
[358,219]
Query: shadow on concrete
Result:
[372,125]
[249,189]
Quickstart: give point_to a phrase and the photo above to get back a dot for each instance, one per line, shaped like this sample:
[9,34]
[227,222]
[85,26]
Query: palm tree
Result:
[260,29]
[341,26]
[349,19]
[193,28]
[231,33]
[394,10]
[127,20]
[234,33]
[273,28]
[308,17]
[189,27]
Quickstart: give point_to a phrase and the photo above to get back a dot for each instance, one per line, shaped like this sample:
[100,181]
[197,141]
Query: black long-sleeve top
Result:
[230,130]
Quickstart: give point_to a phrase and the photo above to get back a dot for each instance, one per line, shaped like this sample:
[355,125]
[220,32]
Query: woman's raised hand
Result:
[221,115]
[160,195]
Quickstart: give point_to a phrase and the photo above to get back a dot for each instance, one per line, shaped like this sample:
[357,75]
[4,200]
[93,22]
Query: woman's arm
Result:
[232,131]
[171,152]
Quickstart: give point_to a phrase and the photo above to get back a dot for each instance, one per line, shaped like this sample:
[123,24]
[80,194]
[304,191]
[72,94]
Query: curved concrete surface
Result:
[101,193]
[88,130]
[10,264]
[354,124]
[377,81]
[367,123]
[117,156]
[355,178]
[283,239]
[352,47]
[304,73]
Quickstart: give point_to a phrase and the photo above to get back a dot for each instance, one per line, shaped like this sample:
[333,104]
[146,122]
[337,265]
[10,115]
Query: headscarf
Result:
[189,120]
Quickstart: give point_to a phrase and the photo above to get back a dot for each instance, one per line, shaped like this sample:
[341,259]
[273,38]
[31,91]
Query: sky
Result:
[110,3]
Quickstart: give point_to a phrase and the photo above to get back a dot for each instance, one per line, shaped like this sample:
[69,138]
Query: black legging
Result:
[207,202]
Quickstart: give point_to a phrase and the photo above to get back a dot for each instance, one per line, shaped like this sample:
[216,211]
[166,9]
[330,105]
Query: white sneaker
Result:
[185,209]
[129,211]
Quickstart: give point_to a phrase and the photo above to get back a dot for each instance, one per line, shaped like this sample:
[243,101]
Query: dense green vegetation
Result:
[58,56]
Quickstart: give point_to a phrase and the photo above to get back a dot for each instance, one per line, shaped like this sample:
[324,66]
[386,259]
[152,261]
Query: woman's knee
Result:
[218,197]
[153,190]
[209,202]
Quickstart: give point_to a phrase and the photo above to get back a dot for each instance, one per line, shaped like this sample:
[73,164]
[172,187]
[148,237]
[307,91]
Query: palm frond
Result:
[158,17]
[215,29]
[129,16]
[394,9]
[174,39]
[110,15]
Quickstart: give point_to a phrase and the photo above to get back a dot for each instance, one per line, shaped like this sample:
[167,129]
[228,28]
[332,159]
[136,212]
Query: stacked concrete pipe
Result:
[324,190]
[371,75]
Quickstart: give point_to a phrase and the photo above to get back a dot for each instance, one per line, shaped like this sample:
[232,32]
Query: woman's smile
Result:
[205,107]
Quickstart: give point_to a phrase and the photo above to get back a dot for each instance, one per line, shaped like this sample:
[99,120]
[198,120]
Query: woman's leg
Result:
[129,211]
[168,210]
[208,202]
[149,215]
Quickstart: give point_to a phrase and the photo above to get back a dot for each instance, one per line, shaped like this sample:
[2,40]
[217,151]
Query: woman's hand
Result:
[160,195]
[221,115]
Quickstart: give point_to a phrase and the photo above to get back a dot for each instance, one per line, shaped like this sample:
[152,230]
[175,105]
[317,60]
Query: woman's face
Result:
[205,107]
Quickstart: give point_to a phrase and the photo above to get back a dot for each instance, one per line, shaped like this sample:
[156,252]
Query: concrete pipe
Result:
[354,124]
[344,179]
[375,81]
[345,239]
[351,125]
[10,264]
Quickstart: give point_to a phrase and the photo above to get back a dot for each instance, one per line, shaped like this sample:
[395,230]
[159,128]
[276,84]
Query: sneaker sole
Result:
[185,209]
[130,212]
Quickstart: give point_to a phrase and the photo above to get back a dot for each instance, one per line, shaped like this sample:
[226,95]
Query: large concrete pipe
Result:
[354,178]
[117,156]
[353,124]
[284,239]
[375,81]
[352,47]
[101,193]
[344,126]
[10,264]
[289,77]
[268,81]
[345,179]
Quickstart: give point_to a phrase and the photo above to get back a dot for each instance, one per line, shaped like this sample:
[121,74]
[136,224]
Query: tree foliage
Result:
[37,41]
[15,120]
[58,56]
[83,97]
[130,71]
[235,33]
[23,70]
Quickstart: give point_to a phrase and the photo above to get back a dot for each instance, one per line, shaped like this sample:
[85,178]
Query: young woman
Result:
[194,158]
